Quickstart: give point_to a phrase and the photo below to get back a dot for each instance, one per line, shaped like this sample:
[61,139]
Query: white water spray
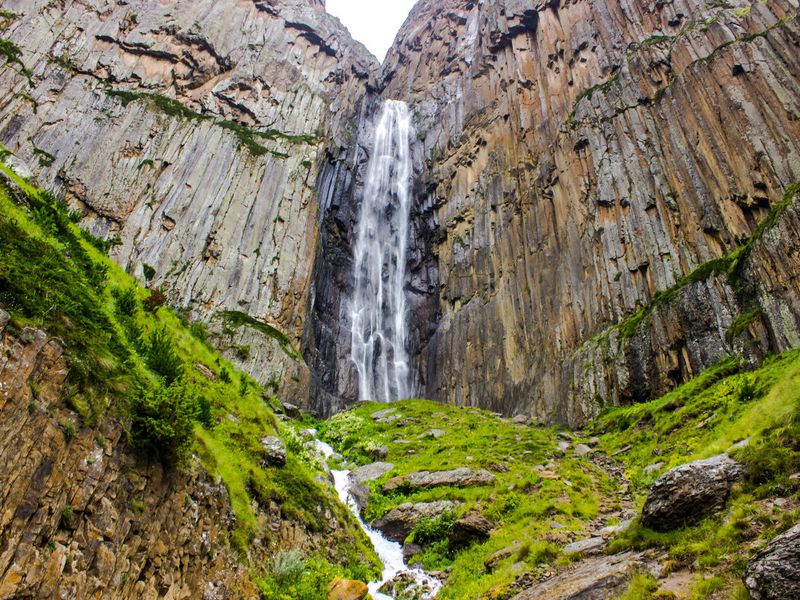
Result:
[378,304]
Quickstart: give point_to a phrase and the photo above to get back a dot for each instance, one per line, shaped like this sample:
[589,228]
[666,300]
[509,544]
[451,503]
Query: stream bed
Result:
[391,553]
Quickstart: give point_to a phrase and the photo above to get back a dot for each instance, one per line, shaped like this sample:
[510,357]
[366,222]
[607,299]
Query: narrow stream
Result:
[390,553]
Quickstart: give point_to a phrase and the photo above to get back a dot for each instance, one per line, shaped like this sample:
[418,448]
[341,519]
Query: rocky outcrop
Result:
[370,472]
[399,521]
[194,131]
[591,579]
[473,527]
[686,494]
[347,589]
[774,573]
[426,480]
[80,517]
[575,162]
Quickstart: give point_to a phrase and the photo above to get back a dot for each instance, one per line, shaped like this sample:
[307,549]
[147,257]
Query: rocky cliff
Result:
[193,132]
[80,517]
[576,162]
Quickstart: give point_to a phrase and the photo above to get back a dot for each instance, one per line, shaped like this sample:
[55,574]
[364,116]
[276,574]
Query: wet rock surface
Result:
[686,494]
[774,573]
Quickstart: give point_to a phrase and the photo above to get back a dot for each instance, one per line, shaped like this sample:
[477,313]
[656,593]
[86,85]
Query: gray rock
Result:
[563,435]
[274,452]
[292,411]
[590,546]
[360,494]
[462,477]
[433,433]
[4,319]
[774,573]
[592,579]
[564,445]
[382,414]
[370,472]
[494,559]
[410,550]
[583,450]
[521,420]
[469,529]
[653,468]
[686,494]
[380,452]
[593,441]
[398,522]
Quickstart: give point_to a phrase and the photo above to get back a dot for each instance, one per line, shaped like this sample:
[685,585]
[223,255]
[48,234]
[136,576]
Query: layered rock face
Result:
[194,131]
[582,158]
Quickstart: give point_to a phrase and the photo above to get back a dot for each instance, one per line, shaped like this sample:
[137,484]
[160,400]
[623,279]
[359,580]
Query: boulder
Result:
[470,529]
[425,480]
[379,452]
[360,494]
[583,450]
[398,522]
[774,573]
[410,550]
[521,420]
[589,579]
[347,589]
[291,411]
[686,494]
[274,452]
[370,472]
[433,434]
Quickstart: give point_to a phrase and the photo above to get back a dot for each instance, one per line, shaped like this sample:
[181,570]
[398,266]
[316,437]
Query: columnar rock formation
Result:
[193,131]
[575,159]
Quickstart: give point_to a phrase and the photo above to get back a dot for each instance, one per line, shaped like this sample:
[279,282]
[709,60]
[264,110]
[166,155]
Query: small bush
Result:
[432,530]
[224,375]
[69,430]
[162,421]
[288,567]
[161,356]
[125,301]
[154,301]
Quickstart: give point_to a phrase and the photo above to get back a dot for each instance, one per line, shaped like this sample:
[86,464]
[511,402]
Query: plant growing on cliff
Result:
[162,421]
[288,566]
[162,357]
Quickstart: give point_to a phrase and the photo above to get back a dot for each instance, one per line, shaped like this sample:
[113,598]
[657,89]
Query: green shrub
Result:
[288,567]
[125,301]
[432,530]
[162,357]
[162,421]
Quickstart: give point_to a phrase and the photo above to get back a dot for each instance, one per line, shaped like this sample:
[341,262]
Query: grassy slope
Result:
[43,276]
[702,418]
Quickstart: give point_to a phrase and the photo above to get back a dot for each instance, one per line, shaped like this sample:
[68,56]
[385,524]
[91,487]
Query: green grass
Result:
[248,138]
[123,359]
[521,502]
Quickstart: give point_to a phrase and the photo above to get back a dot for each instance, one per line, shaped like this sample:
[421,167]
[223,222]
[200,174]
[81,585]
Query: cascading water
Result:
[378,303]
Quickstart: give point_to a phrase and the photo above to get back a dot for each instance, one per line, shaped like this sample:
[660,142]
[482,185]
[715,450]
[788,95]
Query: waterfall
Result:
[378,303]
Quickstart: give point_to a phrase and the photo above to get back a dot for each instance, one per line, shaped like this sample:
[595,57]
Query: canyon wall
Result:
[582,158]
[579,165]
[193,131]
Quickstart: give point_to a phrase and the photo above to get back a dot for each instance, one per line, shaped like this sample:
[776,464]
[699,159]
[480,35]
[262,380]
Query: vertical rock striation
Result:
[194,131]
[582,159]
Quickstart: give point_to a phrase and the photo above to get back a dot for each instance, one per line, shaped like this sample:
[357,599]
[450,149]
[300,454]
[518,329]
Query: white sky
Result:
[374,23]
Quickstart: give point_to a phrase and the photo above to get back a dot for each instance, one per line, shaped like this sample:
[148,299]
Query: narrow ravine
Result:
[390,553]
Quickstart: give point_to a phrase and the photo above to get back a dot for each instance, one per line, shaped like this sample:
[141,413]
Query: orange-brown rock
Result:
[347,589]
[575,160]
